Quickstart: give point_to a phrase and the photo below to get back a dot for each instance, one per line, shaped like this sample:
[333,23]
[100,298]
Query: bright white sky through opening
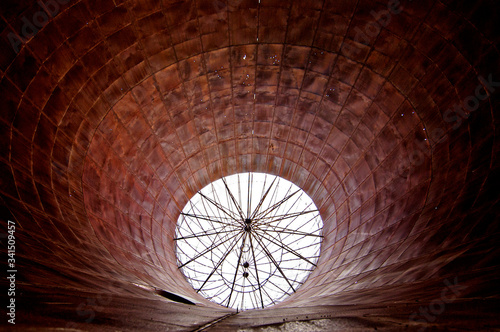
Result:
[248,240]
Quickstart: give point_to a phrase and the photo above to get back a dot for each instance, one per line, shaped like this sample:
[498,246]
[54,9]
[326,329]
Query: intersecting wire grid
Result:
[248,240]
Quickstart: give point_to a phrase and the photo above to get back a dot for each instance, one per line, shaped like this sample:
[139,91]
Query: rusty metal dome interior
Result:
[115,113]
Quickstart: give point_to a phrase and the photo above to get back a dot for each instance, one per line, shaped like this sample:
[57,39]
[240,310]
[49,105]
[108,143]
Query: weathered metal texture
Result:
[116,112]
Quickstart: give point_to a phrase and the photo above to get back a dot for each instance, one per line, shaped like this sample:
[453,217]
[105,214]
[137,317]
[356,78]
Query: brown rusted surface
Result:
[116,112]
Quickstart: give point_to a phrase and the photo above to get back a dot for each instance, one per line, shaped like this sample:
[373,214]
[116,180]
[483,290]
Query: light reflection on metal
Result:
[248,240]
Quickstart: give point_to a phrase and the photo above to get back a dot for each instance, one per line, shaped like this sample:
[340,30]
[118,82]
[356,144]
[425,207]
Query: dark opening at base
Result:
[173,297]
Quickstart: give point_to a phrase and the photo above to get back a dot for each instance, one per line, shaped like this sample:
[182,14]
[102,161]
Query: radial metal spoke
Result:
[291,208]
[208,206]
[220,207]
[239,191]
[295,269]
[215,225]
[256,270]
[290,250]
[199,239]
[278,286]
[237,266]
[263,289]
[285,216]
[275,206]
[249,195]
[212,247]
[262,199]
[201,235]
[218,264]
[294,257]
[233,199]
[275,263]
[292,205]
[292,221]
[278,229]
[206,219]
[276,196]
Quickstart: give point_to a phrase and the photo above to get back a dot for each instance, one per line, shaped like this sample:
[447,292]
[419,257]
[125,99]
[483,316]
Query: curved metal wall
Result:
[117,112]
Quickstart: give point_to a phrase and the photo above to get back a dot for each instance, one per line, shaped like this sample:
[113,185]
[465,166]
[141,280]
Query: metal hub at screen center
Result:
[248,240]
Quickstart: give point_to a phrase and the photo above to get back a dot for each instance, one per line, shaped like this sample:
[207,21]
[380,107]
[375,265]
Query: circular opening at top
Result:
[248,240]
